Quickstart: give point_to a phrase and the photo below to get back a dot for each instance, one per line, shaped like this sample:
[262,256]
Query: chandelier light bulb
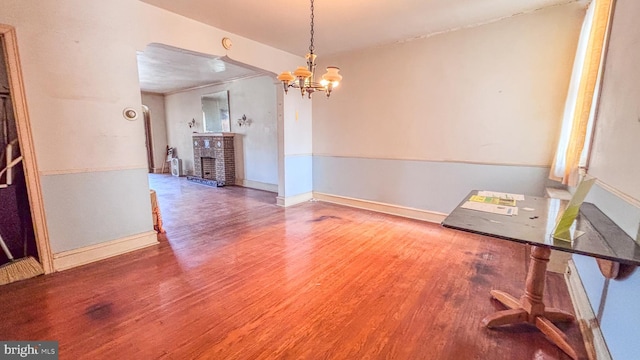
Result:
[332,76]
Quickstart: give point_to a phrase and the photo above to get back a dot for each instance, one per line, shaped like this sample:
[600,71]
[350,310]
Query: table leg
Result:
[506,299]
[555,335]
[530,308]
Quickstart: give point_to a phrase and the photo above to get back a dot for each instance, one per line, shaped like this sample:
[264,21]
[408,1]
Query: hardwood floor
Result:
[236,277]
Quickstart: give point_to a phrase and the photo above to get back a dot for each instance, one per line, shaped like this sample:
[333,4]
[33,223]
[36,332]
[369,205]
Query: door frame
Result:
[148,133]
[34,190]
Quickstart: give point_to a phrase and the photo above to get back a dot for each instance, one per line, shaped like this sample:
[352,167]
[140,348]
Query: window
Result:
[578,119]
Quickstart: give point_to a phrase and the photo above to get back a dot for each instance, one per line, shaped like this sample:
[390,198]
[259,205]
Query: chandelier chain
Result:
[311,47]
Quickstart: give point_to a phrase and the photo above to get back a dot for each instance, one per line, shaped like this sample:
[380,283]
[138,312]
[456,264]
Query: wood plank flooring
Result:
[236,277]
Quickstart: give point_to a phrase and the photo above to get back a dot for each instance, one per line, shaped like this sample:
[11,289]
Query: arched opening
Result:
[174,83]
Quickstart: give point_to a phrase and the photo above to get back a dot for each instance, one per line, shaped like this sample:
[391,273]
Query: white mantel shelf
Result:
[230,134]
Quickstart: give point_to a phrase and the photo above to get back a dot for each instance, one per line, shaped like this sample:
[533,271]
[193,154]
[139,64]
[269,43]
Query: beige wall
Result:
[490,94]
[616,146]
[78,79]
[419,124]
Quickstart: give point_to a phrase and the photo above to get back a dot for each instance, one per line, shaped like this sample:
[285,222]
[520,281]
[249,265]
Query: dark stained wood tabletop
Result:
[536,220]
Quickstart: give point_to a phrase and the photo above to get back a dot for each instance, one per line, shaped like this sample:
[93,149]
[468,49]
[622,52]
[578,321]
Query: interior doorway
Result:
[22,221]
[16,226]
[176,84]
[148,133]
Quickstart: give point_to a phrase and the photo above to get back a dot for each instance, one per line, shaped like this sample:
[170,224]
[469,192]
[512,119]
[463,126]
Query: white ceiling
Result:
[164,69]
[344,25]
[340,26]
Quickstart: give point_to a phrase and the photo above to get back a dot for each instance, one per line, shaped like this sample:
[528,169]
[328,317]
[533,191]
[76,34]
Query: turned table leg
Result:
[530,308]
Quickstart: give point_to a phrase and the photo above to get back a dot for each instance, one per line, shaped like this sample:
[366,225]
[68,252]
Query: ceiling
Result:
[340,26]
[164,69]
[345,25]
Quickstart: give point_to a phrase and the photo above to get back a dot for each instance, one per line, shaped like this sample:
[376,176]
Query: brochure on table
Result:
[563,230]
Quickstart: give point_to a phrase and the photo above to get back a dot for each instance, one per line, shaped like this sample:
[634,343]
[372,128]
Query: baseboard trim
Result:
[589,325]
[76,257]
[293,200]
[257,185]
[408,212]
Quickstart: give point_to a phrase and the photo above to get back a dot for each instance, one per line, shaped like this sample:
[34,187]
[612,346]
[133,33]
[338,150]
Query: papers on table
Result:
[490,208]
[494,202]
[501,195]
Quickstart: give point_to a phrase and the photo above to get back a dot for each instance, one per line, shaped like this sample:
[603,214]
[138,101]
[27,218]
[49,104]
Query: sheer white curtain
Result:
[580,105]
[559,167]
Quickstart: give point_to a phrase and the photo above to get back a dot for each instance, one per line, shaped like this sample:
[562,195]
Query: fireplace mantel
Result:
[214,158]
[225,134]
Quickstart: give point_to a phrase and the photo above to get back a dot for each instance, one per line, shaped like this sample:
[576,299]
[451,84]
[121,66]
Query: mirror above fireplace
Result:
[215,112]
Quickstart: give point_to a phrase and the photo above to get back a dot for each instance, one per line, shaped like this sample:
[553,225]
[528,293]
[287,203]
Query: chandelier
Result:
[303,78]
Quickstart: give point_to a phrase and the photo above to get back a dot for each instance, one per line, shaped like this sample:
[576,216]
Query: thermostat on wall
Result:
[226,43]
[130,114]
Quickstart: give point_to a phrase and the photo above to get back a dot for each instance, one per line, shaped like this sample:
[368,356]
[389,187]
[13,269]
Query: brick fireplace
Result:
[214,159]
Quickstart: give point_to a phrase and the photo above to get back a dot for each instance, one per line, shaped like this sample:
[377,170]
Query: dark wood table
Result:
[602,239]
